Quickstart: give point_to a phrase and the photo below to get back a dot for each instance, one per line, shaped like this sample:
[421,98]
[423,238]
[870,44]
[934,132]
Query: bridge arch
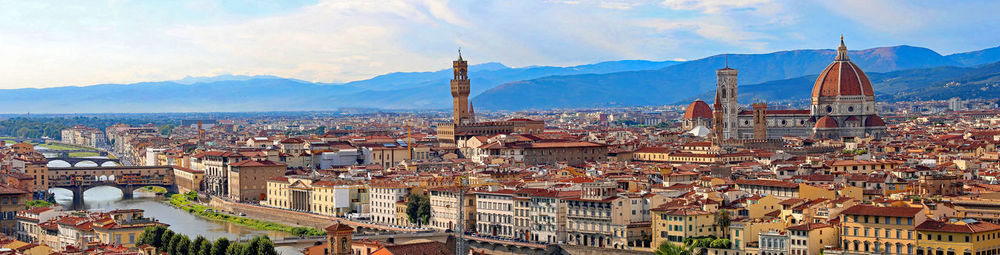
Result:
[86,163]
[109,163]
[58,163]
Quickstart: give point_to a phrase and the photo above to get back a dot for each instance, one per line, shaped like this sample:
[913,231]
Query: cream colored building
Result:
[385,197]
[495,213]
[331,198]
[445,205]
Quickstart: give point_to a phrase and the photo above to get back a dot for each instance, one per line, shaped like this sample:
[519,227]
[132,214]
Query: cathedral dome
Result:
[874,121]
[698,109]
[826,122]
[842,78]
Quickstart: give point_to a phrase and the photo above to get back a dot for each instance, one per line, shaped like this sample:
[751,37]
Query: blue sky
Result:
[60,43]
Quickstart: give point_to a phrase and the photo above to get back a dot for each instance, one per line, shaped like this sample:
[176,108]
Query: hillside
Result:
[935,83]
[692,78]
[419,90]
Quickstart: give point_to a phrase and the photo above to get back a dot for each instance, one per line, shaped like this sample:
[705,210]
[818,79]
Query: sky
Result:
[74,43]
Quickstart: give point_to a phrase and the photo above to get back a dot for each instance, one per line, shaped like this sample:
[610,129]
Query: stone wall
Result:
[275,215]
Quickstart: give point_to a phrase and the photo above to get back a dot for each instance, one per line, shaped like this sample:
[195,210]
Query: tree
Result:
[154,237]
[235,249]
[668,248]
[175,240]
[205,249]
[183,246]
[720,244]
[723,221]
[220,246]
[196,245]
[165,239]
[418,208]
[263,246]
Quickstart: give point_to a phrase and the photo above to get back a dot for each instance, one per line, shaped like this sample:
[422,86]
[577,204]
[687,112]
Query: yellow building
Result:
[862,166]
[676,224]
[811,238]
[958,237]
[872,229]
[758,208]
[123,227]
[188,179]
[745,234]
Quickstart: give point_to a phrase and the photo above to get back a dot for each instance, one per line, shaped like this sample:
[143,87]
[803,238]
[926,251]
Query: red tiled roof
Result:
[958,227]
[809,226]
[842,78]
[698,109]
[826,122]
[772,183]
[256,163]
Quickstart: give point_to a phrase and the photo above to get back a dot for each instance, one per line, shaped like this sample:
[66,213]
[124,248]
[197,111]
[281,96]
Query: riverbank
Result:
[184,202]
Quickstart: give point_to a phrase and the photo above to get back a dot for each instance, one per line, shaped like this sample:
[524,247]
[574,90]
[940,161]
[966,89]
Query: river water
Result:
[110,198]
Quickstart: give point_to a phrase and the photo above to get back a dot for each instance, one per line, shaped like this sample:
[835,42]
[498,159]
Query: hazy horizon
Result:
[71,43]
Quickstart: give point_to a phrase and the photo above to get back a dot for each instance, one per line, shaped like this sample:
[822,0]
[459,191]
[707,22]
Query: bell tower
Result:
[725,96]
[338,239]
[460,90]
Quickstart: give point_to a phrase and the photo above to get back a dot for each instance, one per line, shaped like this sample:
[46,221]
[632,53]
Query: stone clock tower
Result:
[460,90]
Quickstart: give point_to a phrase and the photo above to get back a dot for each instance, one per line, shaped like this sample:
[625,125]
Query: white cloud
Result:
[713,6]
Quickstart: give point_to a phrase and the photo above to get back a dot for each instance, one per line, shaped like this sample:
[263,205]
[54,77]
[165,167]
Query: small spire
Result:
[842,50]
[459,53]
[727,60]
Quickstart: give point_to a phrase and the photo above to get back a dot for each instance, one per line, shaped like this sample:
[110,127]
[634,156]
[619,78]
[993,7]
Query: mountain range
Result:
[905,72]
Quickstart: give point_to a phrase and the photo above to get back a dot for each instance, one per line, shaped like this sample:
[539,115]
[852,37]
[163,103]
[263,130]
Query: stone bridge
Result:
[76,162]
[125,178]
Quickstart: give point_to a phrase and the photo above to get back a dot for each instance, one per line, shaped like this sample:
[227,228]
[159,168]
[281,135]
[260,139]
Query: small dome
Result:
[874,121]
[826,122]
[698,109]
[842,78]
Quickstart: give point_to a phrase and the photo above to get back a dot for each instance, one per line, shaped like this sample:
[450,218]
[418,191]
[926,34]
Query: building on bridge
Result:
[25,160]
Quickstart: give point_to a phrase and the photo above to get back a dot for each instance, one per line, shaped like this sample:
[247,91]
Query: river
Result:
[110,198]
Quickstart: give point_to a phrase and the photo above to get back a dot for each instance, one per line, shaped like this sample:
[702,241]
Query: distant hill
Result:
[673,83]
[978,57]
[418,90]
[934,83]
[901,72]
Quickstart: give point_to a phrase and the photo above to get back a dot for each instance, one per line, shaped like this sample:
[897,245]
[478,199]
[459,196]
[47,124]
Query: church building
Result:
[843,106]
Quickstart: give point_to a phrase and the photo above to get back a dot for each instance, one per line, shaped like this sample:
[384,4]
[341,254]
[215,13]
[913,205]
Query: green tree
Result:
[722,243]
[220,246]
[38,203]
[196,245]
[171,247]
[205,249]
[418,208]
[723,221]
[235,249]
[165,239]
[668,248]
[262,246]
[183,246]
